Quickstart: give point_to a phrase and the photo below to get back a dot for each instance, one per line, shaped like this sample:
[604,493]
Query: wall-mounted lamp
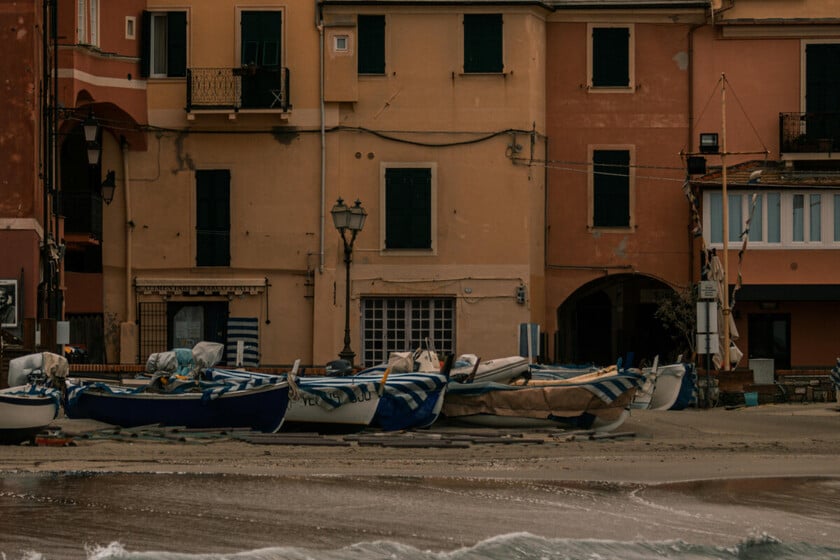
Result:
[709,143]
[109,185]
[91,129]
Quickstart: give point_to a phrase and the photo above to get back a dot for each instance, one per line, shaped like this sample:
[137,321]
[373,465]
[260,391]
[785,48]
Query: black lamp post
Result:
[353,219]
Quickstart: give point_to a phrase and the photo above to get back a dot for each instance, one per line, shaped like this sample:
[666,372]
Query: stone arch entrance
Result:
[611,317]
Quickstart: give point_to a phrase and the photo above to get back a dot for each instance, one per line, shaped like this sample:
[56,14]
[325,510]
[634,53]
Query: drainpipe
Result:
[320,25]
[129,228]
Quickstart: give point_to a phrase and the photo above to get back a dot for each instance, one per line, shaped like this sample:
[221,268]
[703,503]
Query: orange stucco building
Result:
[518,161]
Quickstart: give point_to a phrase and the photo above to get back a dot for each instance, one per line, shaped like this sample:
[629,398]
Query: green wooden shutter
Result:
[371,32]
[408,208]
[483,43]
[176,37]
[145,43]
[611,188]
[610,57]
[212,217]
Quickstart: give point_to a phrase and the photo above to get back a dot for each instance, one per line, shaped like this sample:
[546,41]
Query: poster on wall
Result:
[8,303]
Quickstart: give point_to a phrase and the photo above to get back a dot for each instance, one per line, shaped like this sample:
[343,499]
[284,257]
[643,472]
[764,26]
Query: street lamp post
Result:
[353,219]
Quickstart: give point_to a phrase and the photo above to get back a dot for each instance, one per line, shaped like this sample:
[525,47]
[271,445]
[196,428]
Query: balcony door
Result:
[260,48]
[822,91]
[769,337]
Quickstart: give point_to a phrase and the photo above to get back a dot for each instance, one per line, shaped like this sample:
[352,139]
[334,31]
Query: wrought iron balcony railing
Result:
[246,87]
[809,132]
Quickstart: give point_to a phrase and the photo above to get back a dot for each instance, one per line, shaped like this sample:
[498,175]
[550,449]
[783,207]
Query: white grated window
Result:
[403,324]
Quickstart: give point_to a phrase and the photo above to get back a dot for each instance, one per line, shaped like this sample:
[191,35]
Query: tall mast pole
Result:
[725,202]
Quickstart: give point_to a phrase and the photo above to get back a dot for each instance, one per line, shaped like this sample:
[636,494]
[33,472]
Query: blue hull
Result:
[262,408]
[395,414]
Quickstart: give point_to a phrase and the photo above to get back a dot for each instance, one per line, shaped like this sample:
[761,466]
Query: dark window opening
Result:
[212,217]
[483,43]
[408,208]
[371,32]
[610,57]
[611,188]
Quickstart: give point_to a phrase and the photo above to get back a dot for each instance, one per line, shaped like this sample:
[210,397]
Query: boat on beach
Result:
[191,404]
[321,403]
[26,410]
[33,400]
[178,395]
[409,400]
[599,400]
[471,368]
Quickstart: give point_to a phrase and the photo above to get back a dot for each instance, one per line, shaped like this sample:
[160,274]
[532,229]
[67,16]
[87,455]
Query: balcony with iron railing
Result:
[809,135]
[238,89]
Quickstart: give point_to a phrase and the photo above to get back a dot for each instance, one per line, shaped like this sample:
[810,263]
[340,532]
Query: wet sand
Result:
[710,476]
[768,440]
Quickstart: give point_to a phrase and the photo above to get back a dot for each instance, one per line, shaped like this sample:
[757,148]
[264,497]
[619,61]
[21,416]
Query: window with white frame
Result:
[610,53]
[400,324]
[164,49]
[775,219]
[87,22]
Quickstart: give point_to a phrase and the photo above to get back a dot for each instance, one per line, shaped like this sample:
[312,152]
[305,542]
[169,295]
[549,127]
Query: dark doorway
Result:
[594,329]
[189,323]
[261,54]
[769,337]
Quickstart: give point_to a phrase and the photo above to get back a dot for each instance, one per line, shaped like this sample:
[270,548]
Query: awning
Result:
[200,286]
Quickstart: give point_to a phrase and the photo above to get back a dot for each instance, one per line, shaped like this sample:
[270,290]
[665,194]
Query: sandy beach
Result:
[715,477]
[767,440]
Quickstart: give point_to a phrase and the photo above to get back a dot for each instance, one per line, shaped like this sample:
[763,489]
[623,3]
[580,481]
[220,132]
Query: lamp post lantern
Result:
[346,219]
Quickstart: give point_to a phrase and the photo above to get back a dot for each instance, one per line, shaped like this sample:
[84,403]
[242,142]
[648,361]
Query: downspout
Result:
[129,228]
[320,25]
[691,31]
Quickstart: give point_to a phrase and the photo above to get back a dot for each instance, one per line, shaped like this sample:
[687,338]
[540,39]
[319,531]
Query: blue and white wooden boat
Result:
[34,398]
[598,400]
[409,400]
[257,404]
[321,403]
[25,410]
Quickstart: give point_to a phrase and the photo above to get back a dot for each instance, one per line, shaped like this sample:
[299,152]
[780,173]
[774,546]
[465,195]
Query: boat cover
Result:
[330,392]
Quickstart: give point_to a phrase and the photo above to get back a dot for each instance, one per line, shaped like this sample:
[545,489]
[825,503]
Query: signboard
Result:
[707,317]
[8,303]
[708,289]
[708,343]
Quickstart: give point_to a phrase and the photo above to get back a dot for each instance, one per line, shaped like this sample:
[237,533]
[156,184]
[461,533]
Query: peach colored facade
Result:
[516,226]
[286,264]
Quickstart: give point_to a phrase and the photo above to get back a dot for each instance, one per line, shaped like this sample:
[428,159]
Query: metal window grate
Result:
[400,324]
[152,328]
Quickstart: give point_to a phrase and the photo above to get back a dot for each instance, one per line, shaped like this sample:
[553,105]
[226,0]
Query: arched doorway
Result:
[613,317]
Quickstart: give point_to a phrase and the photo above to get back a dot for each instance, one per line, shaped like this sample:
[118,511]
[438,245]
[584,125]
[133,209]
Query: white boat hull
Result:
[310,410]
[498,370]
[667,387]
[23,416]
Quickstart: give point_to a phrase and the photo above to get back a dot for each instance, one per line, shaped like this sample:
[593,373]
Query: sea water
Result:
[181,516]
